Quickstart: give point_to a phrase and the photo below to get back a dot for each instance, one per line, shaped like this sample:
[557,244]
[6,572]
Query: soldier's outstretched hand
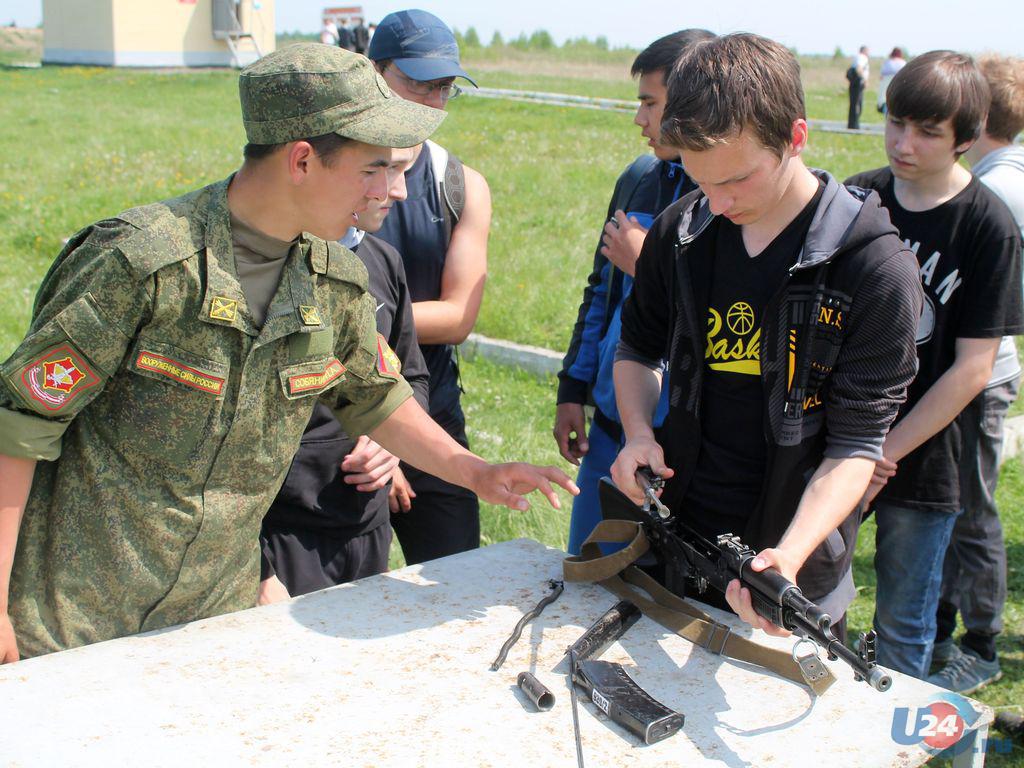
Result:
[8,643]
[507,484]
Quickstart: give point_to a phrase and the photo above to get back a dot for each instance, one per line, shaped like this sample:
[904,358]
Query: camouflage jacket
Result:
[166,421]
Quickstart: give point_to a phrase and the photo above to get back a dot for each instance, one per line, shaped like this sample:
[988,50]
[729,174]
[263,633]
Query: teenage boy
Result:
[330,522]
[644,190]
[968,249]
[175,355]
[786,308]
[441,231]
[974,571]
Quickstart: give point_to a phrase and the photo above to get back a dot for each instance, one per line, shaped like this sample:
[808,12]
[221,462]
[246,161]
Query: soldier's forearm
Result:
[414,437]
[15,483]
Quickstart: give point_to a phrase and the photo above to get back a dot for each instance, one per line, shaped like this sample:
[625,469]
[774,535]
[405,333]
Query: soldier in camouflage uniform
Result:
[150,415]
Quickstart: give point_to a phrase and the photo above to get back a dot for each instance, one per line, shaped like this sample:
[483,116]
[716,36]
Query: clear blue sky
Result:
[812,26]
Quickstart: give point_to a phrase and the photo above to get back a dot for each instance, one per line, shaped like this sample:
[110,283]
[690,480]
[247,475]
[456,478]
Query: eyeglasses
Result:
[447,90]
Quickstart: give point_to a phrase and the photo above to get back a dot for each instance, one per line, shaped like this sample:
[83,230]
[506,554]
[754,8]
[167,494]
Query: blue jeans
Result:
[586,508]
[909,548]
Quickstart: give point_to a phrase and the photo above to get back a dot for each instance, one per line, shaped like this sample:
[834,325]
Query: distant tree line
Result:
[539,40]
[284,38]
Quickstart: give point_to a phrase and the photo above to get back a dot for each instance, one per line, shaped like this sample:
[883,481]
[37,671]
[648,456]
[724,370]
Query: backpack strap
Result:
[454,187]
[616,573]
[631,180]
[450,180]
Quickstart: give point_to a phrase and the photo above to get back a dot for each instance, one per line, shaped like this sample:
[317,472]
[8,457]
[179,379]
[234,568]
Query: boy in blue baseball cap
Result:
[419,45]
[441,231]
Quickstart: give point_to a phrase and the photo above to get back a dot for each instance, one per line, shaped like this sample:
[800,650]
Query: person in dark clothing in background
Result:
[857,75]
[786,307]
[645,189]
[361,37]
[346,39]
[969,250]
[974,571]
[329,522]
[441,230]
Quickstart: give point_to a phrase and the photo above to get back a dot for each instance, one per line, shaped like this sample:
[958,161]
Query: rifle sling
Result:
[617,574]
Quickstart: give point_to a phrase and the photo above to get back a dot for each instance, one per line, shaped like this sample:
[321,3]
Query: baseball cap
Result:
[310,89]
[419,44]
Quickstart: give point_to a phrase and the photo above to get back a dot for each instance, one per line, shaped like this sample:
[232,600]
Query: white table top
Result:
[394,670]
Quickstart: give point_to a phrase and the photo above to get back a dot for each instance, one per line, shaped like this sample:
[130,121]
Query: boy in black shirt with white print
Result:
[969,251]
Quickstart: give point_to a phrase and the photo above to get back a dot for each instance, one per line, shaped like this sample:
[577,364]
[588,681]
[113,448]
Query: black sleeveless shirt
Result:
[416,228]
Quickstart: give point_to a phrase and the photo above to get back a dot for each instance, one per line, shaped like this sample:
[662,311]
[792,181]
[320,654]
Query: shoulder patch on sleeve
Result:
[53,379]
[388,363]
[345,266]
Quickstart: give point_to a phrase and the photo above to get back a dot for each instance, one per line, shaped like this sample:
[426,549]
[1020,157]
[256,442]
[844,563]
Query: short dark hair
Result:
[1005,78]
[897,53]
[941,85]
[326,147]
[729,84]
[665,51]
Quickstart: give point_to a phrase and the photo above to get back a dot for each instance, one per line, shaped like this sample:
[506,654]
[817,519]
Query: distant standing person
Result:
[857,75]
[345,38]
[441,232]
[329,33]
[361,37]
[890,67]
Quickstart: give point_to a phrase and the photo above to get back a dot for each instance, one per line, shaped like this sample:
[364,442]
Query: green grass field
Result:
[106,140]
[79,144]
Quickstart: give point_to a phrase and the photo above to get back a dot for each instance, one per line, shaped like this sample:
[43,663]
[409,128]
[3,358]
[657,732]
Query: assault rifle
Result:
[702,563]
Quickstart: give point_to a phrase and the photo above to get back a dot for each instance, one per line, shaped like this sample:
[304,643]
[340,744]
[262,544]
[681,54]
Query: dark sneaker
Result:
[967,673]
[945,652]
[1010,723]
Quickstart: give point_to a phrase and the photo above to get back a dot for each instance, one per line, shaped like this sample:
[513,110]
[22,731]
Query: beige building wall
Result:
[151,33]
[81,30]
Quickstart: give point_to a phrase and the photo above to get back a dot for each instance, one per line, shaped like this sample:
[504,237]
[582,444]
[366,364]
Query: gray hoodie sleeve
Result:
[878,360]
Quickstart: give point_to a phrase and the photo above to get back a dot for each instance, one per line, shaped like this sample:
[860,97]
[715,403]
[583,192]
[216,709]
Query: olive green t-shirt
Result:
[259,261]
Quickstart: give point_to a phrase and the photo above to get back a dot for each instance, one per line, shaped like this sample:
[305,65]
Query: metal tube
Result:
[535,691]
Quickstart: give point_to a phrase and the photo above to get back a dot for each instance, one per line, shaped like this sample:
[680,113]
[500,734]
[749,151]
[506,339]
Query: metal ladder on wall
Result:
[228,27]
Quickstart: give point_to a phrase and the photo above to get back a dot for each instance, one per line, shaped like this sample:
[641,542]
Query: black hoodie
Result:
[837,355]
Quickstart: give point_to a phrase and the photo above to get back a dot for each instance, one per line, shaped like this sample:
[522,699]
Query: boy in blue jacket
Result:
[649,185]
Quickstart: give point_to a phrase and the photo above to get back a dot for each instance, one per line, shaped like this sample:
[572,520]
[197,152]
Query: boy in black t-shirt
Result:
[968,248]
[329,523]
[786,308]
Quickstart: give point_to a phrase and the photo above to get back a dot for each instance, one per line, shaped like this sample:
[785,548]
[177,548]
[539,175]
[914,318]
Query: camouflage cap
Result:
[309,89]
